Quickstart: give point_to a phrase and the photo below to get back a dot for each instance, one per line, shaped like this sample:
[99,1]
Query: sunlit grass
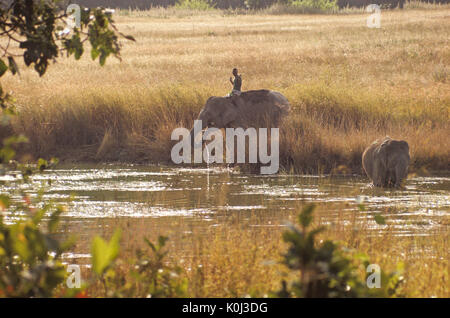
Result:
[242,256]
[348,85]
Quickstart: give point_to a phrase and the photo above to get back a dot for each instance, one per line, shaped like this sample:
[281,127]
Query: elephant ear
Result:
[230,111]
[401,144]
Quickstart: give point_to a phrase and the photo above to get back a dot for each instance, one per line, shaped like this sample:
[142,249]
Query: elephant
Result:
[255,108]
[386,162]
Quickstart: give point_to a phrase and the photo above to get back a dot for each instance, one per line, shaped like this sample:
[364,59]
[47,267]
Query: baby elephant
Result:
[386,162]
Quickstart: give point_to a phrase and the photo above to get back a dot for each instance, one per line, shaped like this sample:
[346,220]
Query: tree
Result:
[38,32]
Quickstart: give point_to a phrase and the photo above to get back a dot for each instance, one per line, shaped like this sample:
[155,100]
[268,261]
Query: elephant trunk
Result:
[199,124]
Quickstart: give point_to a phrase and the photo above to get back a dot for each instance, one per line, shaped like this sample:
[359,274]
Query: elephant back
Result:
[264,102]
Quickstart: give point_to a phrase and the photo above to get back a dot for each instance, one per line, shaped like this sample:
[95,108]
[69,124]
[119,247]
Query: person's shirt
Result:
[237,83]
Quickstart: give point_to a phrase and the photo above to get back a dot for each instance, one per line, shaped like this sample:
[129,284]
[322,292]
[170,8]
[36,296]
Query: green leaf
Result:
[6,154]
[94,53]
[54,219]
[162,241]
[306,216]
[14,140]
[12,65]
[152,246]
[129,37]
[104,253]
[102,59]
[379,219]
[42,164]
[3,67]
[5,201]
[38,215]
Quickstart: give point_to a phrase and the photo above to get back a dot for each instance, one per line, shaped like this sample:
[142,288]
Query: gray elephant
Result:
[256,108]
[386,162]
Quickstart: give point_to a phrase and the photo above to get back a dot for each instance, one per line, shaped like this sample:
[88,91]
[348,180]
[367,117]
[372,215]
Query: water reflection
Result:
[108,192]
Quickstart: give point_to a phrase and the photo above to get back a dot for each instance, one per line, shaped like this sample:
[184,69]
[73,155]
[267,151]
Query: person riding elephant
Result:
[386,162]
[237,83]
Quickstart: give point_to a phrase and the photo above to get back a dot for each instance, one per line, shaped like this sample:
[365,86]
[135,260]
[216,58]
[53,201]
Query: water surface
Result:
[102,195]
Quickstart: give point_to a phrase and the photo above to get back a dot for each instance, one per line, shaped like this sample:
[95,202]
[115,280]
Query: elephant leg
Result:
[234,125]
[391,179]
[379,175]
[400,175]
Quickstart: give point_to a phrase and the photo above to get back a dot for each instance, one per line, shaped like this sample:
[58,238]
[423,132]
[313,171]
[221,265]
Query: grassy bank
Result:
[348,85]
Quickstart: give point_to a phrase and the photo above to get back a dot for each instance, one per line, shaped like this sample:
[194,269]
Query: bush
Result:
[30,258]
[148,275]
[325,270]
[302,7]
[30,254]
[315,6]
[201,5]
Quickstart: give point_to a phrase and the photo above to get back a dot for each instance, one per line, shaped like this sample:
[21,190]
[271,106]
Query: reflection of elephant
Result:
[386,162]
[258,108]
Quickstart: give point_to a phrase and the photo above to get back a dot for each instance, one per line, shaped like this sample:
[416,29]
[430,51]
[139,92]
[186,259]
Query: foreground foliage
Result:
[39,30]
[147,274]
[325,270]
[30,251]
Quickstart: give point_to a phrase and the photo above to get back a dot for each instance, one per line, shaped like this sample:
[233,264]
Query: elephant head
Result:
[258,108]
[386,162]
[218,112]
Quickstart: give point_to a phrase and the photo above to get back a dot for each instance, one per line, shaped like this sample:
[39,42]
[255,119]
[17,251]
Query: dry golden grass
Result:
[348,85]
[245,259]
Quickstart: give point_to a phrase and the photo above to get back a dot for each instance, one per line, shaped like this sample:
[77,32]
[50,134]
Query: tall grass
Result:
[329,127]
[348,85]
[241,256]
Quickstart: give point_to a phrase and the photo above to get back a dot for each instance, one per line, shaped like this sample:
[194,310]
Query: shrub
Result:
[302,7]
[30,254]
[325,270]
[201,5]
[315,6]
[149,275]
[30,258]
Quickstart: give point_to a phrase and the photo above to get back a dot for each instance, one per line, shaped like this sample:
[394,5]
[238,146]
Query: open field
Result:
[348,85]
